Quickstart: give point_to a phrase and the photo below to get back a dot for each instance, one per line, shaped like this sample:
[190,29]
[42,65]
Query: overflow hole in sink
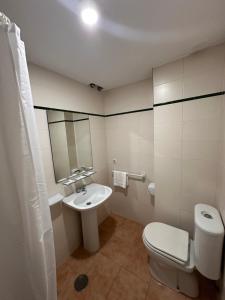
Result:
[88,203]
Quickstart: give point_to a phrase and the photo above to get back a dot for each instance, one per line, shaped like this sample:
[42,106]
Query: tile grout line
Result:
[113,282]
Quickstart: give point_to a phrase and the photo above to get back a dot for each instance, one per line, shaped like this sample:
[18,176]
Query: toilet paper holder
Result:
[151,188]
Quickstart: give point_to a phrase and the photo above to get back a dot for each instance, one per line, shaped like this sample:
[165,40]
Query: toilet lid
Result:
[168,239]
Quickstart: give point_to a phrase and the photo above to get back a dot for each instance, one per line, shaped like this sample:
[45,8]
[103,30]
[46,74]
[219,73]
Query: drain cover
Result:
[81,282]
[88,203]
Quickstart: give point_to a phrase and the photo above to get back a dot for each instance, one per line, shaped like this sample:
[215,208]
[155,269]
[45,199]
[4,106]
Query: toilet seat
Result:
[168,241]
[172,257]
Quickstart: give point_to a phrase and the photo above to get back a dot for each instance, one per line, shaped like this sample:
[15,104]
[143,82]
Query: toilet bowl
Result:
[174,257]
[172,268]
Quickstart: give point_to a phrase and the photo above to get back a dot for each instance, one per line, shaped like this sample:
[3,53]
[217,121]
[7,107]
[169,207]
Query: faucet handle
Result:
[73,171]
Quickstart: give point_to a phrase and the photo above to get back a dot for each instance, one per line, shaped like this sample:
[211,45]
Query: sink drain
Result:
[88,203]
[81,282]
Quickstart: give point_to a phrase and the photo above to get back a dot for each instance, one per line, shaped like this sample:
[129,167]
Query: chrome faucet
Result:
[81,189]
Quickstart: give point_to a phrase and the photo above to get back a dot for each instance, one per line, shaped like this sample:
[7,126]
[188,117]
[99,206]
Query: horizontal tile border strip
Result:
[70,121]
[64,110]
[129,112]
[190,98]
[138,110]
[91,114]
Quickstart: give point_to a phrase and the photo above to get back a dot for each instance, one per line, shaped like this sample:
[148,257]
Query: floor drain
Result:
[81,282]
[88,203]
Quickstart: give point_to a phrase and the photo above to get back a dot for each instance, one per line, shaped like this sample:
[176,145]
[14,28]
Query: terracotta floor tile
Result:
[62,276]
[157,291]
[112,222]
[207,289]
[119,251]
[130,231]
[140,263]
[81,261]
[100,276]
[119,270]
[128,287]
[109,227]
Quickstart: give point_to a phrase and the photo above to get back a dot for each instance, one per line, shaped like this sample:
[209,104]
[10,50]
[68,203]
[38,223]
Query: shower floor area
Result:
[119,270]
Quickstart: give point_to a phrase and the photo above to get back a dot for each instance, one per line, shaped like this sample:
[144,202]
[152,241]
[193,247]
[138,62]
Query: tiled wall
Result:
[197,74]
[187,135]
[66,222]
[127,98]
[99,154]
[221,189]
[130,141]
[185,141]
[50,89]
[221,184]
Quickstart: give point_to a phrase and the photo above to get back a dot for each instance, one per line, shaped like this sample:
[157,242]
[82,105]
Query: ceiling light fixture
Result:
[89,16]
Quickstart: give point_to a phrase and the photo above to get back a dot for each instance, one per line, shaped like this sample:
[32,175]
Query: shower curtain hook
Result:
[4,20]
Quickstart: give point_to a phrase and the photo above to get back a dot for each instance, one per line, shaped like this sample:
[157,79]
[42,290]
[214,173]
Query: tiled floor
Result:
[119,271]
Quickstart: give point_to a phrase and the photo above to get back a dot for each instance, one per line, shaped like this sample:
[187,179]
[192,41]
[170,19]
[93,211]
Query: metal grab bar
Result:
[134,175]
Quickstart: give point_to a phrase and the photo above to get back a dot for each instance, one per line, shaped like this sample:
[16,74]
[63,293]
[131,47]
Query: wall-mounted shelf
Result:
[55,199]
[77,177]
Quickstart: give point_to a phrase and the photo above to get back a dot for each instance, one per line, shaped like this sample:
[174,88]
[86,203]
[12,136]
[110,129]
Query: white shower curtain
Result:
[27,257]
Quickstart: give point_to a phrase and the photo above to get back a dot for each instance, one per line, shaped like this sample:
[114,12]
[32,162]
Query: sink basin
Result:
[86,203]
[94,196]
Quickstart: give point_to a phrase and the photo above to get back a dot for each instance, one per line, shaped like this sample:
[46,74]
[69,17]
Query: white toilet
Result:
[174,256]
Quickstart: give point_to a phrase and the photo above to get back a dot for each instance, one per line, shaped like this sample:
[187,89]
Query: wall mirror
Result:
[70,139]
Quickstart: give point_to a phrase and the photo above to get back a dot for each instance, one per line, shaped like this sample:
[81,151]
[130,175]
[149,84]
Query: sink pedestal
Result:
[90,230]
[86,203]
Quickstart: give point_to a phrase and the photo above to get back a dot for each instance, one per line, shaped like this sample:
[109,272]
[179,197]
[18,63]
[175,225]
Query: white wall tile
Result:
[130,97]
[207,61]
[167,73]
[199,180]
[50,89]
[130,141]
[202,130]
[168,113]
[168,131]
[168,91]
[186,221]
[165,213]
[166,148]
[202,84]
[189,135]
[146,128]
[202,109]
[167,176]
[204,150]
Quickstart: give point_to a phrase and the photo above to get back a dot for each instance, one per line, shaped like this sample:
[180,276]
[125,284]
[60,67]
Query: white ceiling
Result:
[132,37]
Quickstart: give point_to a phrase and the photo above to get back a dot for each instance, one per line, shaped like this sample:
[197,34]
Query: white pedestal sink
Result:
[86,202]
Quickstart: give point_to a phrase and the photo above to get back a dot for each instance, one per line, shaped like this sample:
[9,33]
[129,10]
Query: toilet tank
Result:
[208,241]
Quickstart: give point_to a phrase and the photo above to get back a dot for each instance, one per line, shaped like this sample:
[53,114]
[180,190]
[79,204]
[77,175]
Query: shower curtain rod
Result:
[4,20]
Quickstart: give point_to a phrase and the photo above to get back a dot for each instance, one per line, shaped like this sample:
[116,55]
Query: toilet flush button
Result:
[206,215]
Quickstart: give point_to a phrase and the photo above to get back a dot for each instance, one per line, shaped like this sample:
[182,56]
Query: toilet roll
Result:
[151,188]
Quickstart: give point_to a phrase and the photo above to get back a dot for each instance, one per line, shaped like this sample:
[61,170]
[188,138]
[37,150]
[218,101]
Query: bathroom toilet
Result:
[174,257]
